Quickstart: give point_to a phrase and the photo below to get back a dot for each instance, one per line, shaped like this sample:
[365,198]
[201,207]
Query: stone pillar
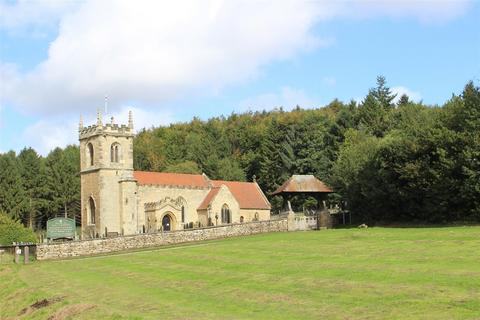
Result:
[26,255]
[18,251]
[291,226]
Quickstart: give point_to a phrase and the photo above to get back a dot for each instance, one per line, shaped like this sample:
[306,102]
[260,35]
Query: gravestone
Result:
[61,228]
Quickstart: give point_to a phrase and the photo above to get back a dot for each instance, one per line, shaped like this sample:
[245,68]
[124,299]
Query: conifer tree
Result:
[12,195]
[33,180]
[63,181]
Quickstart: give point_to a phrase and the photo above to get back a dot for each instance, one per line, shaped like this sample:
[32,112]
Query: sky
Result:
[170,61]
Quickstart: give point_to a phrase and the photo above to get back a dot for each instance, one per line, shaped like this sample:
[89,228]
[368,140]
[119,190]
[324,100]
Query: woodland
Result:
[389,159]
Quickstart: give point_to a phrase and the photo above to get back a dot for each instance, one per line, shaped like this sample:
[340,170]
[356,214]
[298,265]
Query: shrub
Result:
[13,231]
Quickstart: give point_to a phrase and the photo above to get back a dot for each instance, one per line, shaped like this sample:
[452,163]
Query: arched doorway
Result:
[166,223]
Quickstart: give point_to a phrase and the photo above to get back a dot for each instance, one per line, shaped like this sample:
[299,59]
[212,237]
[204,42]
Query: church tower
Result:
[108,189]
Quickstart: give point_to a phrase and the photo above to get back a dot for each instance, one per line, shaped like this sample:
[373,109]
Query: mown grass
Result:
[377,273]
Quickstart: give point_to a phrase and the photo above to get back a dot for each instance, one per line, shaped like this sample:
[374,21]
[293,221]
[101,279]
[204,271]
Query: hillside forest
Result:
[389,159]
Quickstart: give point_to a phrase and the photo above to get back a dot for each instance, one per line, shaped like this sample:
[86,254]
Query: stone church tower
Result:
[108,189]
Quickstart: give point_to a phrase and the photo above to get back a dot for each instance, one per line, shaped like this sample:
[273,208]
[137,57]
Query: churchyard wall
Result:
[133,242]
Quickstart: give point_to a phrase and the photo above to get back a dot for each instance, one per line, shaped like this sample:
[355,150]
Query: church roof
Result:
[171,179]
[303,183]
[208,199]
[248,194]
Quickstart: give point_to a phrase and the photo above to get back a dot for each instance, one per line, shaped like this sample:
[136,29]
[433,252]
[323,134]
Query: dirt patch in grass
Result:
[38,305]
[70,311]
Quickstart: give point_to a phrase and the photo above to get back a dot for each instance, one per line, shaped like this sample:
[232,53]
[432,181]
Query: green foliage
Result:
[33,175]
[386,161]
[184,167]
[14,231]
[63,181]
[12,193]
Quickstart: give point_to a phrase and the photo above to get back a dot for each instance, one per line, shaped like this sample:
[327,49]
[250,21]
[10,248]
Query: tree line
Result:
[389,159]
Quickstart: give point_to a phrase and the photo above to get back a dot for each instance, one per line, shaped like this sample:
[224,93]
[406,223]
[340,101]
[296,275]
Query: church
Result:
[116,200]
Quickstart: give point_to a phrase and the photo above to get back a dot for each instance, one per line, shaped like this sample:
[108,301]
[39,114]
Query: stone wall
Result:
[107,245]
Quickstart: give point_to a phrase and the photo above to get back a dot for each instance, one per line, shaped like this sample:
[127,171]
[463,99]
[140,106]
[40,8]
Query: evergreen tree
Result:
[404,100]
[33,177]
[271,174]
[12,196]
[63,182]
[383,94]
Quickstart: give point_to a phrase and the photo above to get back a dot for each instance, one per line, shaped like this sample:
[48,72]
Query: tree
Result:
[13,231]
[372,117]
[33,177]
[271,174]
[12,195]
[184,167]
[404,100]
[230,170]
[63,181]
[383,94]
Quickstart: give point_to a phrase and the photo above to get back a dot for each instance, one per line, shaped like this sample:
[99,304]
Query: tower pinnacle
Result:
[80,123]
[99,118]
[130,119]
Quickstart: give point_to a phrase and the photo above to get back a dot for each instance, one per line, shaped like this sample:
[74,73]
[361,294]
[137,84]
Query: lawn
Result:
[376,273]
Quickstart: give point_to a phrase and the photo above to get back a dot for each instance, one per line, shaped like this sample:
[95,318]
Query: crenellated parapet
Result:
[107,129]
[112,128]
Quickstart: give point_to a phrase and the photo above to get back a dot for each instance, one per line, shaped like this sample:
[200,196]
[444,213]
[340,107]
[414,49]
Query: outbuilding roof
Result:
[303,184]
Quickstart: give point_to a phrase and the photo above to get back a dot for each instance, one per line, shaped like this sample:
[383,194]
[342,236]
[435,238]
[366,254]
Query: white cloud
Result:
[152,51]
[287,98]
[17,16]
[401,90]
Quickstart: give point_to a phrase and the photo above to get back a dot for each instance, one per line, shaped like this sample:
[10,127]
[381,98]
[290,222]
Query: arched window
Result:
[90,153]
[91,205]
[115,152]
[183,213]
[226,215]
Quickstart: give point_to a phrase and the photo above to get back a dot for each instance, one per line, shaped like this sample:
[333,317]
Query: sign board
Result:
[60,228]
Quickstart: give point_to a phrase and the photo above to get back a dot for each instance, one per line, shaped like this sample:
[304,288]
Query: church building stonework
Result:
[116,200]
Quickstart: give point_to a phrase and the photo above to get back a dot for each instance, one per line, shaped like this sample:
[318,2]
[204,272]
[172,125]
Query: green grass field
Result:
[377,273]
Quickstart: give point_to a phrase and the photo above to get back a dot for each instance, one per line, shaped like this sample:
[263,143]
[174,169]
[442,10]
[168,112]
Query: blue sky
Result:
[169,62]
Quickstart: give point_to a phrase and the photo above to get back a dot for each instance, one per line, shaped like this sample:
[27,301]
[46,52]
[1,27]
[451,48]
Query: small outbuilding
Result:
[304,185]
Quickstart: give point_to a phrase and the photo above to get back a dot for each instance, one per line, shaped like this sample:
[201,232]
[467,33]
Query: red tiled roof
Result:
[208,199]
[303,183]
[247,194]
[170,179]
